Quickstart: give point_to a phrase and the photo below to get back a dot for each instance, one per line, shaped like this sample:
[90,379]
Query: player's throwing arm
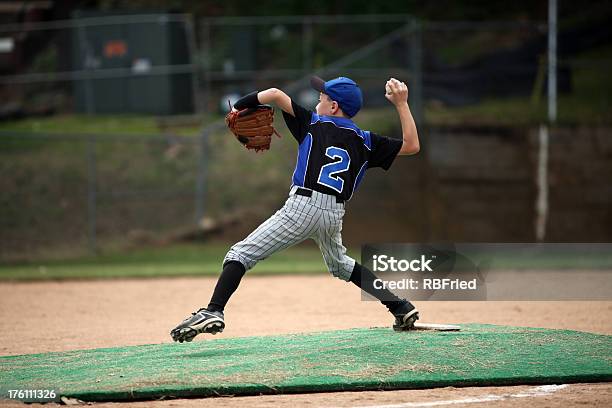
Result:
[396,92]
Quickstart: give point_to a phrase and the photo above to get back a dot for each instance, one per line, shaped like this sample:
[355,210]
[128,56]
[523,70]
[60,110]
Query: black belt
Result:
[308,193]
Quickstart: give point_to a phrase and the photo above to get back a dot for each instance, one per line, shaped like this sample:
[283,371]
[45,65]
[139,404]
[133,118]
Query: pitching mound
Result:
[357,359]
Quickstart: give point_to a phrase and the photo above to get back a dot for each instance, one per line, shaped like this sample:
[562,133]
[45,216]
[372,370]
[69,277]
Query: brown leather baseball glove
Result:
[253,127]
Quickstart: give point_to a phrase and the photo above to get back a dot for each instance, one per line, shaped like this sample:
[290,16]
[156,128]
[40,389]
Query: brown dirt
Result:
[92,314]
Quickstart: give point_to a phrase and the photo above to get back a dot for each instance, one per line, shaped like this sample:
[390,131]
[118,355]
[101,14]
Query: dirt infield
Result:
[60,316]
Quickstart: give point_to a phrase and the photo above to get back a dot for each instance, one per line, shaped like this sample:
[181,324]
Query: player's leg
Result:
[405,313]
[329,239]
[243,256]
[290,225]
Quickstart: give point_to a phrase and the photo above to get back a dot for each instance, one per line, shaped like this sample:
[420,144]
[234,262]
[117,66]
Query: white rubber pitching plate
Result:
[437,327]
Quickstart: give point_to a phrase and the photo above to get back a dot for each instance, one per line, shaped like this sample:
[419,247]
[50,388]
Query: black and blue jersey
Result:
[334,154]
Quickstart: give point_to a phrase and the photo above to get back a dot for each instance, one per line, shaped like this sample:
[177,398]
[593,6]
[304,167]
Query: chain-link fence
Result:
[72,192]
[67,194]
[88,191]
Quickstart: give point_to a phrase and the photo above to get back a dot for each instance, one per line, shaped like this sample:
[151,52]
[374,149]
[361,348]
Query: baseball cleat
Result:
[202,321]
[405,317]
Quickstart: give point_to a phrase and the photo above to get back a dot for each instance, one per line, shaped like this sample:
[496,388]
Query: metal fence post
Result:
[200,190]
[86,52]
[416,58]
[91,193]
[552,61]
[207,63]
[193,51]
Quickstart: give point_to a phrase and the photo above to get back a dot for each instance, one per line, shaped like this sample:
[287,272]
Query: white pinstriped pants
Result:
[318,217]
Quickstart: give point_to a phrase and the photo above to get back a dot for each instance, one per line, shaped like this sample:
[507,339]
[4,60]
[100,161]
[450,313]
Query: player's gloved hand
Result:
[253,127]
[396,92]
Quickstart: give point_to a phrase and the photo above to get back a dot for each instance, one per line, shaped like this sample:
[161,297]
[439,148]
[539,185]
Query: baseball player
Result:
[333,156]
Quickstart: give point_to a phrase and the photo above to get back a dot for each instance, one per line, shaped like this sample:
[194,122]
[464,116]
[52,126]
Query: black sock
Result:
[228,282]
[364,279]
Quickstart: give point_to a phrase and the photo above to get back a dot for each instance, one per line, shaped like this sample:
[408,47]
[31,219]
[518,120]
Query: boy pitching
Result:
[333,156]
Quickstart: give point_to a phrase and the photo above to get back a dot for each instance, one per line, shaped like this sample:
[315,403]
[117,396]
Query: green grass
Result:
[176,260]
[99,124]
[206,259]
[140,125]
[521,111]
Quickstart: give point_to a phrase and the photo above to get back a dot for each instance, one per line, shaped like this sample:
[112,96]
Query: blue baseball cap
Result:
[343,90]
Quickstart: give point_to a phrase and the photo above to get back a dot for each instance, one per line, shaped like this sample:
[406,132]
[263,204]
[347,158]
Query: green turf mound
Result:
[356,359]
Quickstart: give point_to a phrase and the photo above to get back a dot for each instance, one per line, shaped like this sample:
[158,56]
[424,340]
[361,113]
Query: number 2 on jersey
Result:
[328,174]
